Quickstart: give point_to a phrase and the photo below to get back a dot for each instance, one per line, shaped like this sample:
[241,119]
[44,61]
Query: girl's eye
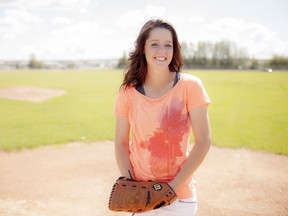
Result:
[158,46]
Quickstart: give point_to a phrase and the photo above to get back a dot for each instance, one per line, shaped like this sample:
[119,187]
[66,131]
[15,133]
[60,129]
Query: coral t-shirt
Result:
[161,130]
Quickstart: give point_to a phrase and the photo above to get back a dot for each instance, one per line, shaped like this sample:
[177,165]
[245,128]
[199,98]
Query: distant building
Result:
[63,64]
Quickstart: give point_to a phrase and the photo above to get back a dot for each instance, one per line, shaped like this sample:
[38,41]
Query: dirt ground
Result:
[76,179]
[30,93]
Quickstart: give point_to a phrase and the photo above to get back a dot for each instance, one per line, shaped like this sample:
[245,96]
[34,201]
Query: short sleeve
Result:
[121,107]
[196,94]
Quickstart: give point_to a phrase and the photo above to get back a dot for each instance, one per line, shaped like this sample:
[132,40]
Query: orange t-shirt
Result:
[161,130]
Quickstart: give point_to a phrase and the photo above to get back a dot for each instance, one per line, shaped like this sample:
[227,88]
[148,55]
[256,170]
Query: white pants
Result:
[185,207]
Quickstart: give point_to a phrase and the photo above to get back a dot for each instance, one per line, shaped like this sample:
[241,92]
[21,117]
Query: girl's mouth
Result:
[160,58]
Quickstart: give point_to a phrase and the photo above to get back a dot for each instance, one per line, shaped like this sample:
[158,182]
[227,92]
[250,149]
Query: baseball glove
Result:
[129,195]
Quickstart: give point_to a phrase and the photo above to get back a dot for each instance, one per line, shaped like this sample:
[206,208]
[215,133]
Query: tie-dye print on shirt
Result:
[161,129]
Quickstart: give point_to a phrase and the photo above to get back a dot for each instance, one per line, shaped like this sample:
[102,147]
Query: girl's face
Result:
[158,48]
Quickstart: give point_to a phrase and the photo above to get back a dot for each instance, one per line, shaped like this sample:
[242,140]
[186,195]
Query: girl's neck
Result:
[158,83]
[158,79]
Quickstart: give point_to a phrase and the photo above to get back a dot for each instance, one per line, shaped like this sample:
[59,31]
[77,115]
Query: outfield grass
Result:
[249,109]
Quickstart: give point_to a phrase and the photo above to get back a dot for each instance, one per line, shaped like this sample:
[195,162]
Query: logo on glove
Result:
[157,187]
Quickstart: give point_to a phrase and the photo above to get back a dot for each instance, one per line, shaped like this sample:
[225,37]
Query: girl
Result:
[162,107]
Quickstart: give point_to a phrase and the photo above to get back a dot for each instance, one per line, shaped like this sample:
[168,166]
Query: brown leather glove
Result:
[129,195]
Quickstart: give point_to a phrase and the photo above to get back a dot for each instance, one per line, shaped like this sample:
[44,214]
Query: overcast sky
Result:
[101,29]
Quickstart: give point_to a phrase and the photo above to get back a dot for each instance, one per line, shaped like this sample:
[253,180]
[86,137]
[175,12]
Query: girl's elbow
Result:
[205,144]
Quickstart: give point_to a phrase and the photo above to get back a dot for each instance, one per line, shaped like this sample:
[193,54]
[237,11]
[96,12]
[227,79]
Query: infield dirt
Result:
[76,179]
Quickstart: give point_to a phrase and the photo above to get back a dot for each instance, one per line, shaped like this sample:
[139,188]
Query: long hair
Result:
[137,68]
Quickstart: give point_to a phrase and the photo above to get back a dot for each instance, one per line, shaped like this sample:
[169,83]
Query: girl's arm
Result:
[122,145]
[201,130]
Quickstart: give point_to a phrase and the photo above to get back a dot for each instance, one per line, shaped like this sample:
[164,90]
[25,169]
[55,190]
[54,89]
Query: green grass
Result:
[249,109]
[85,111]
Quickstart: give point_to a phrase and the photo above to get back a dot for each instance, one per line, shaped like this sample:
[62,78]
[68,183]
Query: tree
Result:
[201,55]
[242,60]
[278,62]
[123,61]
[188,52]
[254,64]
[224,54]
[34,63]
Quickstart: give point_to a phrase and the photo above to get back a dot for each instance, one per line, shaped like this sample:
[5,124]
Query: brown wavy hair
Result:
[137,67]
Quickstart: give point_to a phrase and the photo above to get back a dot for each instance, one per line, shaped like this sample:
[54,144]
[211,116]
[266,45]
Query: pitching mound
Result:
[29,93]
[76,179]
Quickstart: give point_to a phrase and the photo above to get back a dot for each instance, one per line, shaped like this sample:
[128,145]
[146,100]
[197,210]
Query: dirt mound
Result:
[29,93]
[76,179]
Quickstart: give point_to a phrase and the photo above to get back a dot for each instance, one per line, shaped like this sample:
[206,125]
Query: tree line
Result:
[208,55]
[221,55]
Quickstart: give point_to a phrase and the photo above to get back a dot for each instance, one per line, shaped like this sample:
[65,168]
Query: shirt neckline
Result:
[163,96]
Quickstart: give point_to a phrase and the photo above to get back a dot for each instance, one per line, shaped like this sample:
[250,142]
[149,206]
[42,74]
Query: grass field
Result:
[249,109]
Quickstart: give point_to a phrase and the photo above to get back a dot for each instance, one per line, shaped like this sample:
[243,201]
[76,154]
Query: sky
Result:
[104,29]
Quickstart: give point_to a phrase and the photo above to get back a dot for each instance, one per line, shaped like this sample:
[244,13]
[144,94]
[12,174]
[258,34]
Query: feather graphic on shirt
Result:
[165,144]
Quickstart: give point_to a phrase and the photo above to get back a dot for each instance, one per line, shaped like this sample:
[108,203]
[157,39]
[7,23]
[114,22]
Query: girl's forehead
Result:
[160,33]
